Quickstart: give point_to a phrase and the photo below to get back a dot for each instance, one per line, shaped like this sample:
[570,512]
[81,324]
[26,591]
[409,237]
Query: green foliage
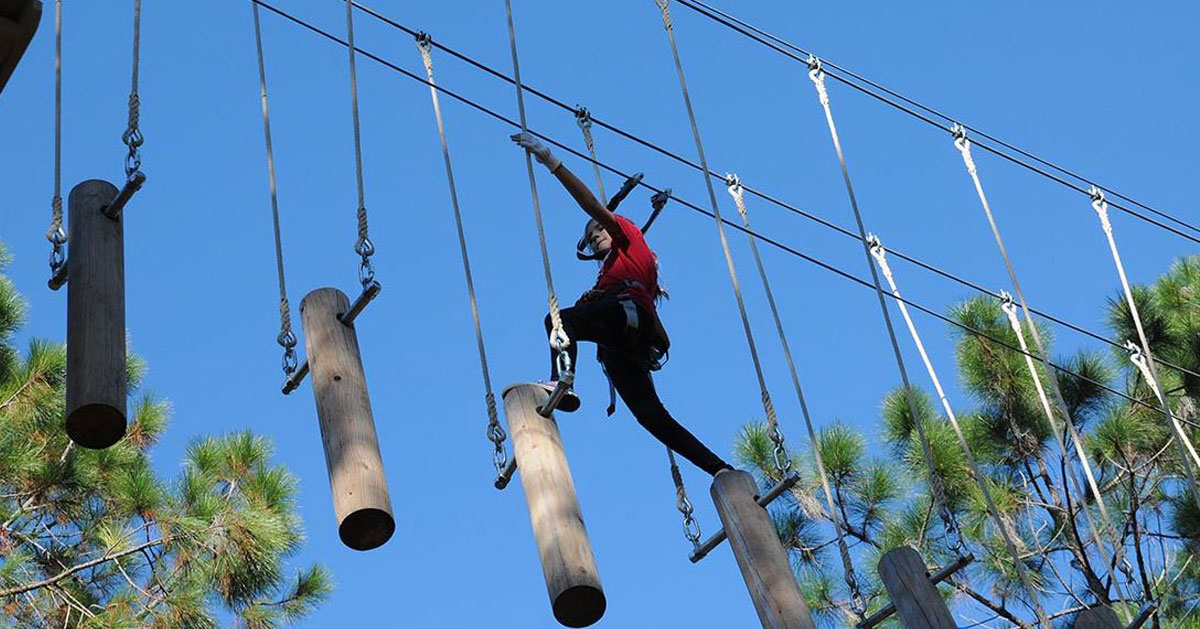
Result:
[158,553]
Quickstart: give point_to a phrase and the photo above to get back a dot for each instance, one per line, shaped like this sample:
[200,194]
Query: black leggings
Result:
[603,322]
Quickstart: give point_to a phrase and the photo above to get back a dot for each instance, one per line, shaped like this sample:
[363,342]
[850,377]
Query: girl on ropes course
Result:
[618,314]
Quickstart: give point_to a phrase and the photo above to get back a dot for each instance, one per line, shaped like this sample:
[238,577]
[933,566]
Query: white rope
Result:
[963,144]
[583,118]
[1009,536]
[363,246]
[495,432]
[768,407]
[1144,360]
[738,193]
[56,234]
[132,137]
[558,335]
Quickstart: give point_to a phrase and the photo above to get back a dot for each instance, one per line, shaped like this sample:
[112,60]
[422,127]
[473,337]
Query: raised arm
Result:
[578,190]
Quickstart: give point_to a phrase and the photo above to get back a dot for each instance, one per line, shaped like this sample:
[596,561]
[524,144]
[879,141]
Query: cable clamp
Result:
[1006,302]
[583,117]
[424,40]
[733,182]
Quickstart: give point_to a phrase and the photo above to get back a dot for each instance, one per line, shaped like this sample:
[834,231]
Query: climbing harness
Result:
[1008,535]
[495,432]
[559,340]
[736,190]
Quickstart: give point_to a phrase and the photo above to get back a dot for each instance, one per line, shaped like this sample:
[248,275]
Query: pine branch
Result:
[83,566]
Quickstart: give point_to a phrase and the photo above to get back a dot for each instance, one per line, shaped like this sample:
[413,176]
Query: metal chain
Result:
[132,138]
[363,245]
[495,432]
[953,532]
[56,234]
[1186,448]
[1008,535]
[286,338]
[558,335]
[736,190]
[691,528]
[583,118]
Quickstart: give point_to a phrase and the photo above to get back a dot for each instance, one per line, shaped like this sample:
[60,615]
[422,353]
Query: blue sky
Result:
[1106,88]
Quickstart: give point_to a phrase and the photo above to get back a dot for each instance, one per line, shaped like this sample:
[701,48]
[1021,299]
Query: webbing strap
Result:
[286,337]
[738,194]
[495,432]
[363,245]
[558,335]
[1009,536]
[56,234]
[768,407]
[583,118]
[1187,451]
[963,144]
[954,535]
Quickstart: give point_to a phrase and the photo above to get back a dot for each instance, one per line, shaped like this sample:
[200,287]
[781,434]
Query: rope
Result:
[1144,359]
[558,335]
[963,144]
[494,431]
[132,137]
[56,234]
[768,407]
[363,246]
[954,535]
[736,191]
[286,337]
[878,252]
[583,118]
[691,528]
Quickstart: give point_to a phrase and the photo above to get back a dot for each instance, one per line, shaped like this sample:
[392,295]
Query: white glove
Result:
[540,151]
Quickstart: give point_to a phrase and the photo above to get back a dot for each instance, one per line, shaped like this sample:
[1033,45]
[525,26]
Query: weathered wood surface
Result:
[916,599]
[572,580]
[760,554]
[18,22]
[356,477]
[1099,618]
[96,386]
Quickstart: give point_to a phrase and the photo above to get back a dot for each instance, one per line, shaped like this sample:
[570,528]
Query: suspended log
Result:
[572,580]
[356,478]
[914,595]
[760,554]
[96,386]
[1102,617]
[18,22]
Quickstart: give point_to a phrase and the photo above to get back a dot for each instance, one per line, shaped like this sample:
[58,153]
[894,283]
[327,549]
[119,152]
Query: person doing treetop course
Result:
[618,314]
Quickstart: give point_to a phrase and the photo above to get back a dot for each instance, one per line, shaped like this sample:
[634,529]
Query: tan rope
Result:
[132,137]
[495,432]
[583,118]
[56,234]
[363,246]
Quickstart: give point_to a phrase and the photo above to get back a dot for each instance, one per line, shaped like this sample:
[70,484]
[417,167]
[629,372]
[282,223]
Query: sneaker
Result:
[569,402]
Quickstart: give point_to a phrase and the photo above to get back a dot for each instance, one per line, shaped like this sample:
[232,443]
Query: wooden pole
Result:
[18,22]
[759,553]
[566,555]
[915,597]
[356,478]
[1102,617]
[96,386]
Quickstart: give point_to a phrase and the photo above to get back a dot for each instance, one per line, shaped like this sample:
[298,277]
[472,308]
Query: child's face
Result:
[598,238]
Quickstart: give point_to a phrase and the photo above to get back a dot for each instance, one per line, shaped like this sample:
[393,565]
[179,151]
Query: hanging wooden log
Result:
[96,386]
[356,478]
[760,554]
[18,22]
[1102,617]
[563,547]
[915,597]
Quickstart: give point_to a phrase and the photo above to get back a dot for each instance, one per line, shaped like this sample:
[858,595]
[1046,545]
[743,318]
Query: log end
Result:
[367,529]
[580,606]
[96,426]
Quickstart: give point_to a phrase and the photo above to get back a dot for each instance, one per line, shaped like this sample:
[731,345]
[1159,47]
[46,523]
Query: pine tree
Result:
[885,501]
[94,538]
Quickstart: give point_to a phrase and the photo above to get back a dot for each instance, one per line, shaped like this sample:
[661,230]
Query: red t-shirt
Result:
[630,260]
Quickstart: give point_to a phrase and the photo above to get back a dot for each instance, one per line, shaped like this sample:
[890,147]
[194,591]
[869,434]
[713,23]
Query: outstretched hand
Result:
[540,151]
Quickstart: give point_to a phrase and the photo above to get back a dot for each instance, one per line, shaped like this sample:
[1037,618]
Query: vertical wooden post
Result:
[18,22]
[566,555]
[916,599]
[96,386]
[360,493]
[759,553]
[1102,617]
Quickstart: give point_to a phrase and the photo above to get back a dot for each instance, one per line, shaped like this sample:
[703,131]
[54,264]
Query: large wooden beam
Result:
[915,597]
[356,478]
[1102,617]
[760,555]
[572,580]
[96,386]
[18,22]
